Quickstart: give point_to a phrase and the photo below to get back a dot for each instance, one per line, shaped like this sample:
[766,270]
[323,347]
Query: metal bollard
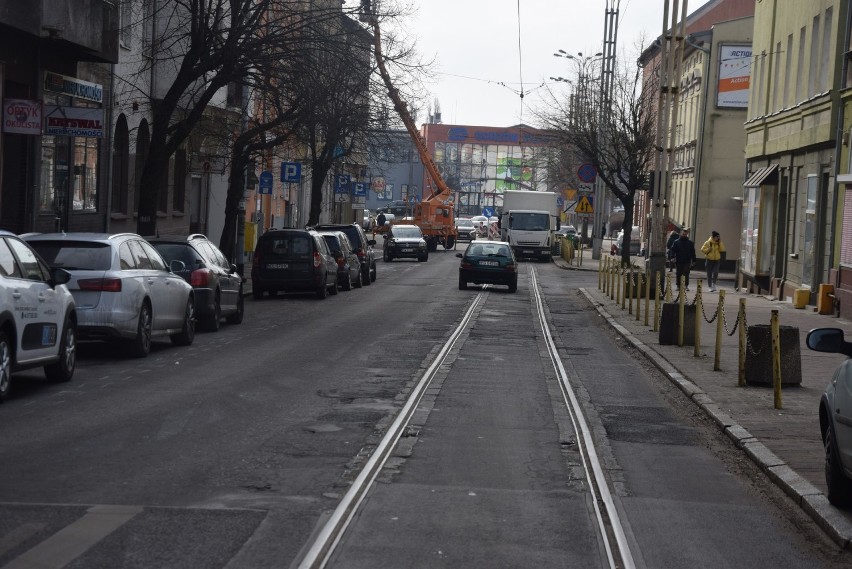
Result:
[601,267]
[647,297]
[619,283]
[623,297]
[668,287]
[741,323]
[696,351]
[720,324]
[639,280]
[776,358]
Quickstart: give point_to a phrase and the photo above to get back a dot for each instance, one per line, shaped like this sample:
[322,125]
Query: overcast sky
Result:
[477,45]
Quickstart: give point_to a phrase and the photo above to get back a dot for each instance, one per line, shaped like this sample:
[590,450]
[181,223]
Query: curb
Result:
[803,493]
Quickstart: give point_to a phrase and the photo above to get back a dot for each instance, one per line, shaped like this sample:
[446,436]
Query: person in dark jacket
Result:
[673,236]
[682,253]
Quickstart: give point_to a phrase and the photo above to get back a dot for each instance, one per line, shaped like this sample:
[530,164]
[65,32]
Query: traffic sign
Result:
[265,183]
[341,185]
[587,173]
[359,189]
[291,172]
[584,205]
[488,211]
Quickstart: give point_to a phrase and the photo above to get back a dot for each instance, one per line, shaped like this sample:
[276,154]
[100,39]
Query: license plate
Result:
[276,266]
[489,263]
[408,250]
[528,252]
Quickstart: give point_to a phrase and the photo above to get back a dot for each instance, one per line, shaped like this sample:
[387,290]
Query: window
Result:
[788,61]
[812,75]
[30,266]
[800,67]
[776,79]
[142,260]
[126,23]
[85,190]
[7,261]
[126,259]
[153,257]
[825,52]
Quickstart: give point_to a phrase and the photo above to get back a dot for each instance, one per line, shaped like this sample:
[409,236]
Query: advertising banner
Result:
[22,116]
[734,76]
[74,121]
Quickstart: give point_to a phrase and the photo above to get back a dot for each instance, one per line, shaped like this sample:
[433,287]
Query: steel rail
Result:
[587,449]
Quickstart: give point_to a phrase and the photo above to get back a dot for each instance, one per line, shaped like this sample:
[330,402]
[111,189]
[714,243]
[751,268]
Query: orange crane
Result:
[435,214]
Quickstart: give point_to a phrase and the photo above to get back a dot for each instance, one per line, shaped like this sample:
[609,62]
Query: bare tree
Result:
[615,133]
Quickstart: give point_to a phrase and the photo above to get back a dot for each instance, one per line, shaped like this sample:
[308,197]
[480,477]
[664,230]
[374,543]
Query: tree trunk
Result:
[627,228]
[153,180]
[319,173]
[236,187]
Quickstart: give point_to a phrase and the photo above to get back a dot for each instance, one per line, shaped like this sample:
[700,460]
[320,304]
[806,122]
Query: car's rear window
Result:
[407,232]
[71,255]
[177,252]
[353,235]
[290,245]
[332,242]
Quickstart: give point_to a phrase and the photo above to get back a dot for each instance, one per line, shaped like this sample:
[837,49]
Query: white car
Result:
[122,287]
[37,316]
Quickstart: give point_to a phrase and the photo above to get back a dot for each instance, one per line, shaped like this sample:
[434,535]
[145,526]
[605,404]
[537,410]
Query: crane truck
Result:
[435,214]
[528,222]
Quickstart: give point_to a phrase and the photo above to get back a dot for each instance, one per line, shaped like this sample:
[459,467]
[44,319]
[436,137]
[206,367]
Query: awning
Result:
[766,176]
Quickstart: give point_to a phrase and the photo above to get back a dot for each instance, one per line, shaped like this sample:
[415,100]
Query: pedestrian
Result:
[683,255]
[672,238]
[713,249]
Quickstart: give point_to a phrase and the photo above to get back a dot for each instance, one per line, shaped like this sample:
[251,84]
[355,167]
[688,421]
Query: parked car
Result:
[37,317]
[293,260]
[464,227]
[488,262]
[361,244]
[405,241]
[367,221]
[635,244]
[217,284]
[348,265]
[122,288]
[835,415]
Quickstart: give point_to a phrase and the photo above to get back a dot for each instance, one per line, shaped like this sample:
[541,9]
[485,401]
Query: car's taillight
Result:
[256,259]
[360,252]
[510,267]
[317,260]
[100,285]
[341,260]
[466,265]
[200,277]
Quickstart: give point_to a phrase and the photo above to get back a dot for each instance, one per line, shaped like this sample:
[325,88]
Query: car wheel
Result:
[462,283]
[385,255]
[141,345]
[359,282]
[839,486]
[322,290]
[213,322]
[63,369]
[366,276]
[450,243]
[333,290]
[423,258]
[347,282]
[373,273]
[256,292]
[513,286]
[237,317]
[187,333]
[5,365]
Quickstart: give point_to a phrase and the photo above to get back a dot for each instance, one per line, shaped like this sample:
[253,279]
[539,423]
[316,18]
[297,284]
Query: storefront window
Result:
[85,174]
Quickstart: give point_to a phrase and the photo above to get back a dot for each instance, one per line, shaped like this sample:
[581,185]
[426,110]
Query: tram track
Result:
[611,533]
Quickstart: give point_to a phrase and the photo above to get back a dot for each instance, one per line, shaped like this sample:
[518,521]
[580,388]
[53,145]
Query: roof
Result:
[768,175]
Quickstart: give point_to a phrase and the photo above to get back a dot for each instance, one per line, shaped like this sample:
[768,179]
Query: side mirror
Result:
[59,276]
[371,242]
[826,340]
[176,266]
[459,255]
[385,236]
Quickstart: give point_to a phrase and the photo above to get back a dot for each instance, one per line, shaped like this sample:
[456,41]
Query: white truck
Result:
[528,222]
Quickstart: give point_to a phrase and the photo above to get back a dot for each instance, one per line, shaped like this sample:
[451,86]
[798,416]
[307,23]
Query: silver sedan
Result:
[122,287]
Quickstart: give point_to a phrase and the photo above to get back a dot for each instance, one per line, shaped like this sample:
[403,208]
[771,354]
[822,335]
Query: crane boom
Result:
[402,110]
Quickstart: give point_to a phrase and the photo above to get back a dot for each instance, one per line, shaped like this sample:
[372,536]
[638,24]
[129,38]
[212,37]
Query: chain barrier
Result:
[725,323]
[750,344]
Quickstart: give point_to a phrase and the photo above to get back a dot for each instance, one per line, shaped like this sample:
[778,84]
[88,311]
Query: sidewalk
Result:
[785,443]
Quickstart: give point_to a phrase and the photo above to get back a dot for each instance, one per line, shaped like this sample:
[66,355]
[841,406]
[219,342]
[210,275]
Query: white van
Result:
[635,244]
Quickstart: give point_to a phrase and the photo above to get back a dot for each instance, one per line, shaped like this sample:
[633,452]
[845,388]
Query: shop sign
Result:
[74,121]
[22,116]
[73,86]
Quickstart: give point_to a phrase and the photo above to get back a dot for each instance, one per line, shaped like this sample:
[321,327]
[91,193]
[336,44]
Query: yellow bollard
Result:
[668,287]
[776,358]
[638,294]
[647,297]
[657,281]
[720,324]
[681,300]
[741,323]
[612,279]
[623,297]
[696,351]
[601,267]
[629,289]
[619,283]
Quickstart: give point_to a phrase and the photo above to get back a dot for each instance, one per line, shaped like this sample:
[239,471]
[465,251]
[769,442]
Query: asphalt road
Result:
[231,452]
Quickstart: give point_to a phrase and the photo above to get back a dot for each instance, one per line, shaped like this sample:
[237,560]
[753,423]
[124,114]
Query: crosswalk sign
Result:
[584,206]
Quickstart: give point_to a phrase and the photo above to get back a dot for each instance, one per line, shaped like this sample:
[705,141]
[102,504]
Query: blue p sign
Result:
[291,172]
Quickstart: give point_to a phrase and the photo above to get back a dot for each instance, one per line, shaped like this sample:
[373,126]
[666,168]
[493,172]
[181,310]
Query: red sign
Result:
[21,116]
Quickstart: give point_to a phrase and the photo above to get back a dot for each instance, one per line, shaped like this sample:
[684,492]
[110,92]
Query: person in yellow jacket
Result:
[713,249]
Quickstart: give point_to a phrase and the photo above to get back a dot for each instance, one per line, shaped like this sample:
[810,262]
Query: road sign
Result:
[291,172]
[584,206]
[585,188]
[264,185]
[587,173]
[359,189]
[488,211]
[341,184]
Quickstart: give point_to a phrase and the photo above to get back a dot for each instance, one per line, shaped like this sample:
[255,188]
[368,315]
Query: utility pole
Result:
[607,75]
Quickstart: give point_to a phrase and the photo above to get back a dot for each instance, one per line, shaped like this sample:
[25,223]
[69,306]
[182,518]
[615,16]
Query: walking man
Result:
[683,255]
[713,249]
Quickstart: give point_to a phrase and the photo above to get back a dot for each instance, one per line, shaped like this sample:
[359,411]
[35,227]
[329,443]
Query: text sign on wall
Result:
[22,116]
[73,121]
[73,86]
[734,76]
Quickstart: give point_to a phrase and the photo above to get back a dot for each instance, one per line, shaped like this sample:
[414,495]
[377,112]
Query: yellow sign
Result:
[584,206]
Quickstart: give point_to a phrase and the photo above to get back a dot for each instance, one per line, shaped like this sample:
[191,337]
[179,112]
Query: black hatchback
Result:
[217,284]
[360,243]
[292,260]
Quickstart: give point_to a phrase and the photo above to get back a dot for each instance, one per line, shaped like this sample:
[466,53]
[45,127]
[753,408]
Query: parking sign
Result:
[341,185]
[291,172]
